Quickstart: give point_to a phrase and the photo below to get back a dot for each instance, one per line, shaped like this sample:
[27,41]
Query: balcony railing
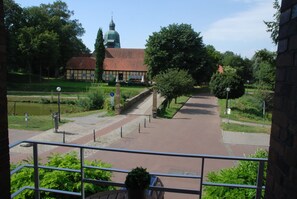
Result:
[259,187]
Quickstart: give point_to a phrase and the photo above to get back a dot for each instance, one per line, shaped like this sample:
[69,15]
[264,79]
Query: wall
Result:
[4,151]
[282,166]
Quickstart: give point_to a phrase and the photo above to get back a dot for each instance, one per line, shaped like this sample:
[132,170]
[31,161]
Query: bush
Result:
[93,101]
[244,173]
[220,81]
[61,180]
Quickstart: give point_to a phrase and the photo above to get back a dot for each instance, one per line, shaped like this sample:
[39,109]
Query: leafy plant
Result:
[138,178]
[61,180]
[244,173]
[220,81]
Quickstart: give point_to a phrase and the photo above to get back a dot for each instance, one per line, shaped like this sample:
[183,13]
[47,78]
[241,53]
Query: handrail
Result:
[258,187]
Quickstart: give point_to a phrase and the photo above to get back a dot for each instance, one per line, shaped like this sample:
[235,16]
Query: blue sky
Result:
[235,25]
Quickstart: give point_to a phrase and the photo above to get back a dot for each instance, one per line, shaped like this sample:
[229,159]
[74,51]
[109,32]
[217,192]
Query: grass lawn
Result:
[244,128]
[173,107]
[241,115]
[35,123]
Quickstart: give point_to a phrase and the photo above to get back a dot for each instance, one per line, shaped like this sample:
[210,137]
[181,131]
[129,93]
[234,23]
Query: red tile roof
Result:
[124,59]
[116,59]
[81,63]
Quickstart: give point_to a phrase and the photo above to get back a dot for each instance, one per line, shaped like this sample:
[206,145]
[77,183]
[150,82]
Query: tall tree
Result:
[175,46]
[100,55]
[51,22]
[264,68]
[243,66]
[273,26]
[4,142]
[13,20]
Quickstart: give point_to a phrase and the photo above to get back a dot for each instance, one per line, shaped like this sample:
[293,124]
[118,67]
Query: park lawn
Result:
[240,115]
[174,107]
[245,128]
[35,123]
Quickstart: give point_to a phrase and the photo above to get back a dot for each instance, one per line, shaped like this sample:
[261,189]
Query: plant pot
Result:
[136,194]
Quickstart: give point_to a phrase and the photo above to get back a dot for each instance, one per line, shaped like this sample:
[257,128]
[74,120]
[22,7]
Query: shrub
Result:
[93,101]
[244,173]
[61,180]
[220,81]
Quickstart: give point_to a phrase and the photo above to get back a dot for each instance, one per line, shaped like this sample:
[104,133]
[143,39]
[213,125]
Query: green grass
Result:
[35,123]
[242,114]
[244,128]
[173,107]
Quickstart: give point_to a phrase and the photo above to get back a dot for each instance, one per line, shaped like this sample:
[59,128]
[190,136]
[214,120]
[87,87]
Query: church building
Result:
[124,64]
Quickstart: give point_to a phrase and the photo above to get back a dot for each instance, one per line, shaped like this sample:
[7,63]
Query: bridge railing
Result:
[259,187]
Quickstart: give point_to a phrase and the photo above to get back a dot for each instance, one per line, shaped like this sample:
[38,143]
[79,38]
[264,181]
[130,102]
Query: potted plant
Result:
[137,181]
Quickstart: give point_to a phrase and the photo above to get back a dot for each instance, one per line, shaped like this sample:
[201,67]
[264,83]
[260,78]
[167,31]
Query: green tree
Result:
[173,83]
[243,66]
[212,61]
[221,81]
[175,46]
[273,26]
[264,68]
[61,180]
[52,22]
[13,22]
[100,55]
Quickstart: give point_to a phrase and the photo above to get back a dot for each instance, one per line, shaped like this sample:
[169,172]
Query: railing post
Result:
[82,172]
[260,176]
[36,171]
[202,175]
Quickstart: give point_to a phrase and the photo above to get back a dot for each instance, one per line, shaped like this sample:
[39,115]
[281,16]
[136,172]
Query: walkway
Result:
[194,129]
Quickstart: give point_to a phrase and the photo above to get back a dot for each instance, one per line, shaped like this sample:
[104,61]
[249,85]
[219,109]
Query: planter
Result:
[136,194]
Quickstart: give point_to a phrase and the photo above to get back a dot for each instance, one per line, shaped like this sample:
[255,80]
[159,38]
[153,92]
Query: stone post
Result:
[154,108]
[118,98]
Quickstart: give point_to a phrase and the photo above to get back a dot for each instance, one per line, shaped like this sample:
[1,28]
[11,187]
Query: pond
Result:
[20,108]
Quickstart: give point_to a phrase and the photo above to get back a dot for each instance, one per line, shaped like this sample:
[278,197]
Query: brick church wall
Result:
[282,164]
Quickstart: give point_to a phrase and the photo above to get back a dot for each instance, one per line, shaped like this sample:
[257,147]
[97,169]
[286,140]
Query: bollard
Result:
[144,124]
[139,128]
[149,118]
[63,136]
[121,132]
[94,135]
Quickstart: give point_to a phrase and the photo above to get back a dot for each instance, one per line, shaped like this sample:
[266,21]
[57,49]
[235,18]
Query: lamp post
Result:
[59,110]
[227,90]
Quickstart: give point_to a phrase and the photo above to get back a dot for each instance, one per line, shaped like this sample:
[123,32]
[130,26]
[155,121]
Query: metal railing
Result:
[259,187]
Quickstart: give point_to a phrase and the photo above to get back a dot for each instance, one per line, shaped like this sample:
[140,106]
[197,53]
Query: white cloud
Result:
[244,28]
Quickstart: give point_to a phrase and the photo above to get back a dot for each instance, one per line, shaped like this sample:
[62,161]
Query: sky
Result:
[228,25]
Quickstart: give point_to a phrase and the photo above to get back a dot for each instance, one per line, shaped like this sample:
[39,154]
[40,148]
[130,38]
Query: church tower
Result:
[112,37]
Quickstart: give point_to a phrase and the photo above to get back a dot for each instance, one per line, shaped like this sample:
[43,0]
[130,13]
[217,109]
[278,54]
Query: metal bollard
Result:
[144,124]
[121,132]
[139,128]
[149,118]
[94,135]
[63,136]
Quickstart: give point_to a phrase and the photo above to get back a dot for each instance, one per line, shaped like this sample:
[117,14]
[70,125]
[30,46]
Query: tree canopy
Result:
[175,46]
[264,68]
[42,38]
[273,26]
[173,83]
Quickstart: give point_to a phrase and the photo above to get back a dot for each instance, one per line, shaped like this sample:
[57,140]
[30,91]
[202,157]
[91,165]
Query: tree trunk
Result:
[4,142]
